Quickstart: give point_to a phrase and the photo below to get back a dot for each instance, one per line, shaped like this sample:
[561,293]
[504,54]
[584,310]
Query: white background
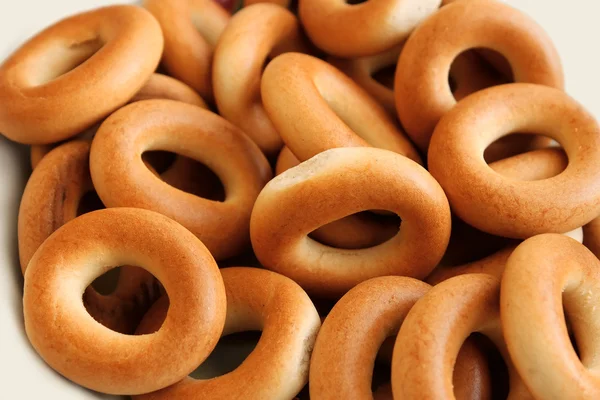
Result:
[572,24]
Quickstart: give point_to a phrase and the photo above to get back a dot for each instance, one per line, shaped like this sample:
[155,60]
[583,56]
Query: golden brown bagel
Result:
[191,29]
[252,35]
[421,86]
[157,87]
[121,178]
[316,107]
[51,198]
[503,205]
[533,316]
[301,200]
[344,354]
[76,72]
[278,367]
[434,330]
[356,30]
[81,349]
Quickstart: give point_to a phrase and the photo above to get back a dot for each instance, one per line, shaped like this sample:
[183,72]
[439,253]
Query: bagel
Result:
[503,205]
[316,107]
[122,180]
[344,355]
[300,200]
[256,300]
[541,350]
[191,29]
[252,35]
[434,330]
[332,24]
[421,84]
[75,345]
[76,72]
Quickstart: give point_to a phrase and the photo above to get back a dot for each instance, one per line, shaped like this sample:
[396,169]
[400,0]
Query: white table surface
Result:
[572,24]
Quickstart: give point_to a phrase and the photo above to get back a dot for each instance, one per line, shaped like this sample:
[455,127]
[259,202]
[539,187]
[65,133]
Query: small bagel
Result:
[541,349]
[421,85]
[76,72]
[157,87]
[256,300]
[503,205]
[316,107]
[122,179]
[51,198]
[344,355]
[252,35]
[434,330]
[300,200]
[74,344]
[357,30]
[191,29]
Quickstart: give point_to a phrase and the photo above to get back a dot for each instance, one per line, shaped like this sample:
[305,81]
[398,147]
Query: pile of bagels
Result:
[396,182]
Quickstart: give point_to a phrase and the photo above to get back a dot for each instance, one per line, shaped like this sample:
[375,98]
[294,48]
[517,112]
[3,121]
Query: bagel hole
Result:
[230,353]
[106,284]
[498,370]
[369,229]
[503,155]
[571,333]
[64,59]
[385,76]
[355,2]
[89,202]
[186,174]
[478,69]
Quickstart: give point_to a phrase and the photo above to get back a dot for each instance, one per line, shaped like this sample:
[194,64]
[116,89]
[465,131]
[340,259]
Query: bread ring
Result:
[344,355]
[76,72]
[278,366]
[541,349]
[157,87]
[121,178]
[253,34]
[332,24]
[421,86]
[502,205]
[191,29]
[310,102]
[364,178]
[434,330]
[51,198]
[75,345]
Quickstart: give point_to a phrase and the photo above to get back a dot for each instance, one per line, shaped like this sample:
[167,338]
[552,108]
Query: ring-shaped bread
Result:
[74,344]
[122,179]
[337,183]
[76,72]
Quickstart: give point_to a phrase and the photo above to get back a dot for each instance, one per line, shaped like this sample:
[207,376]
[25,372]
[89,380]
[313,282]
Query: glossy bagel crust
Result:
[122,179]
[277,368]
[355,30]
[252,35]
[76,72]
[51,199]
[353,332]
[316,107]
[300,200]
[421,85]
[159,86]
[503,205]
[541,349]
[191,29]
[434,330]
[81,349]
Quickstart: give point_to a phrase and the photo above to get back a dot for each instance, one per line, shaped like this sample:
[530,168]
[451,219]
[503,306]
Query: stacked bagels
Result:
[400,182]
